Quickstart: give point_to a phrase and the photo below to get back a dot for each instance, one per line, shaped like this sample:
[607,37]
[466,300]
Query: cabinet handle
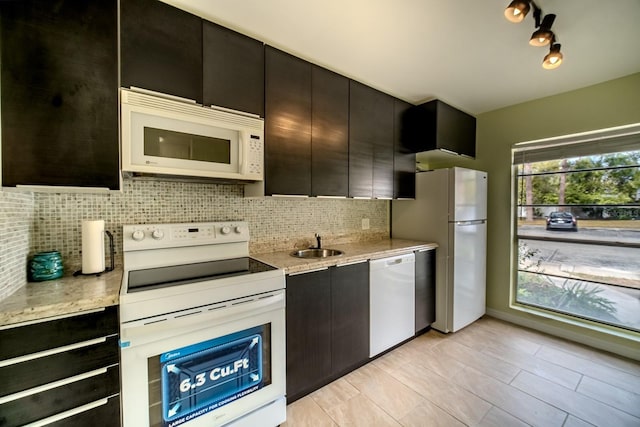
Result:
[308,271]
[70,413]
[50,352]
[49,386]
[362,261]
[48,319]
[161,95]
[63,189]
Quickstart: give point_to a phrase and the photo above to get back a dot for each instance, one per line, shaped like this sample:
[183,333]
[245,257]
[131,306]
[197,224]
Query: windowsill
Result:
[579,323]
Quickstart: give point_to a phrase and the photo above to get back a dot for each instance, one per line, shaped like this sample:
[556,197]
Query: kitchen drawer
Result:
[42,370]
[32,338]
[59,399]
[105,415]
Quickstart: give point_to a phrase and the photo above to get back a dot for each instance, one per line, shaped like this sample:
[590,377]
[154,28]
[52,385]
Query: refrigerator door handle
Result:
[474,222]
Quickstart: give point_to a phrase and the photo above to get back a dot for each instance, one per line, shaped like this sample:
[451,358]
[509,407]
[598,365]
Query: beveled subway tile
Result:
[360,411]
[613,376]
[458,402]
[306,413]
[430,414]
[577,404]
[483,362]
[622,399]
[510,399]
[334,393]
[496,417]
[384,390]
[543,368]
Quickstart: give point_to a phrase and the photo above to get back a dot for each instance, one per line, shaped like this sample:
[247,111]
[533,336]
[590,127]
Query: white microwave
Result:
[164,136]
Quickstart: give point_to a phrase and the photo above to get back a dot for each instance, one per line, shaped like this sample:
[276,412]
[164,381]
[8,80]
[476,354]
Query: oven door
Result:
[207,367]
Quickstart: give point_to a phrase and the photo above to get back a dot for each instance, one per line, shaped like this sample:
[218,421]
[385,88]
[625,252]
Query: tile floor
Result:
[491,373]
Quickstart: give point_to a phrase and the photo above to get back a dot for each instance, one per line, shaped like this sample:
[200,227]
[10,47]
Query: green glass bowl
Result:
[45,266]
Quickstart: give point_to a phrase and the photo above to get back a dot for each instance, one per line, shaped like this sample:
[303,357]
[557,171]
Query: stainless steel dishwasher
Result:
[392,301]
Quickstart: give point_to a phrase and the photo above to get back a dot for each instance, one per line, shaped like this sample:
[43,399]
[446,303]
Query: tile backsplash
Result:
[16,224]
[35,222]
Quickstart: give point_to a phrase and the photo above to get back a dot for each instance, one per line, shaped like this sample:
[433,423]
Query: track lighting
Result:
[517,10]
[542,36]
[553,58]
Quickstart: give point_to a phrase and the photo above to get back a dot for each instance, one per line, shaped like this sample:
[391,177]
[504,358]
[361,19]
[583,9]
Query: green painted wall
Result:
[609,104]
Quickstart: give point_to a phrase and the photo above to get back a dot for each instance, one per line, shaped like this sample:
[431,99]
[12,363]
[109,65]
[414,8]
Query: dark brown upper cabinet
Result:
[435,125]
[161,48]
[329,133]
[59,96]
[404,159]
[371,114]
[233,69]
[287,124]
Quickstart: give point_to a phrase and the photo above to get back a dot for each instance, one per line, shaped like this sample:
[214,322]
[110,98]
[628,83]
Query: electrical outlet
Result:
[365,223]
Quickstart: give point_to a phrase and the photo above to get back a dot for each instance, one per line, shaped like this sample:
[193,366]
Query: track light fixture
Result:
[542,36]
[553,58]
[517,10]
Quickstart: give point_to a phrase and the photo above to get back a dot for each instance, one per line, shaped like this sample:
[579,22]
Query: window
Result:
[578,225]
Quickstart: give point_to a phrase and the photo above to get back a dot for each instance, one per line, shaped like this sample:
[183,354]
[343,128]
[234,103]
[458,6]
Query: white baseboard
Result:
[528,320]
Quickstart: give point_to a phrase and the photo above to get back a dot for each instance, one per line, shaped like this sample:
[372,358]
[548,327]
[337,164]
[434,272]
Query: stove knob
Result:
[225,230]
[138,235]
[238,229]
[157,234]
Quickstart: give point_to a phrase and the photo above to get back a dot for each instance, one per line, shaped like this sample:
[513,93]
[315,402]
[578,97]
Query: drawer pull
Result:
[69,413]
[49,386]
[50,352]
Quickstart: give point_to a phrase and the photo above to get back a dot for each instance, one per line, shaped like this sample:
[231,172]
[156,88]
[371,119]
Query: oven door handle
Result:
[152,329]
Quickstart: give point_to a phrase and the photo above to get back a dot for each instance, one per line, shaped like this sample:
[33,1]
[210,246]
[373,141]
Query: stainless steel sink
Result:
[316,253]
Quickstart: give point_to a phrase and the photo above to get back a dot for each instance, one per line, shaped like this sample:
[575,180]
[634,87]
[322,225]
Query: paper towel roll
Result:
[92,246]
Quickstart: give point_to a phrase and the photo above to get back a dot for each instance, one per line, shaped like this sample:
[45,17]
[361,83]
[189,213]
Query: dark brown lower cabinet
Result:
[349,316]
[425,289]
[84,378]
[327,326]
[308,332]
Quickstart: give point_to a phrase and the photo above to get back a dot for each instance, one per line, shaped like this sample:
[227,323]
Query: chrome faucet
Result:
[318,241]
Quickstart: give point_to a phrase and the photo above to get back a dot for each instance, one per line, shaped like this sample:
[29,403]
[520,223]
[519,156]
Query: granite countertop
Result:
[353,252]
[67,295]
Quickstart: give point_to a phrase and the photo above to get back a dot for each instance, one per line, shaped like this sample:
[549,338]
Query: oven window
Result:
[188,382]
[180,145]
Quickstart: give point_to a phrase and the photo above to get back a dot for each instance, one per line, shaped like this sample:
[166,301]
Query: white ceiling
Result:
[463,52]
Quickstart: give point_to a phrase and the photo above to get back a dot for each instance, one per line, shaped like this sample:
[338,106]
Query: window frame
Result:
[610,140]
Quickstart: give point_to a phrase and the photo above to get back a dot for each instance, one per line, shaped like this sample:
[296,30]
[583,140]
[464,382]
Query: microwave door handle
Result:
[241,154]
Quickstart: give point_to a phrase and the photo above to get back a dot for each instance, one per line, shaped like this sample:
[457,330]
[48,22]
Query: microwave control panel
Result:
[255,155]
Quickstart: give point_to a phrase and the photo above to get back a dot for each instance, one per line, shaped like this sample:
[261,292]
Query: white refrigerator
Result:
[450,209]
